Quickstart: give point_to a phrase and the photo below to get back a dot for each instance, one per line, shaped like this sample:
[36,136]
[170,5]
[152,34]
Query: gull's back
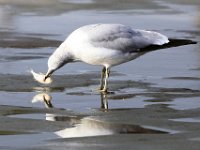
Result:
[117,37]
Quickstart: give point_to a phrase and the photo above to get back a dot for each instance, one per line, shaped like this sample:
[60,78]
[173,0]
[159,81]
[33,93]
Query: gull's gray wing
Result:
[123,38]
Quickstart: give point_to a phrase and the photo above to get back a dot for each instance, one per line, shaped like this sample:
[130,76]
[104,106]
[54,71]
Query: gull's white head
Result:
[54,63]
[58,59]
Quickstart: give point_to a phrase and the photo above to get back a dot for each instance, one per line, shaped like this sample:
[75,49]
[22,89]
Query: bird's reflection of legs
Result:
[104,100]
[46,99]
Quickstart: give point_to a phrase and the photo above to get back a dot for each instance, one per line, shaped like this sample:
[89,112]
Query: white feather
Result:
[40,78]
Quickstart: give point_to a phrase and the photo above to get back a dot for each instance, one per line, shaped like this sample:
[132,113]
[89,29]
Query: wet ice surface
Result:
[155,100]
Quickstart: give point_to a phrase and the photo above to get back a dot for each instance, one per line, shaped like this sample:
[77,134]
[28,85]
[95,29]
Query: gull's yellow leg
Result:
[102,78]
[107,73]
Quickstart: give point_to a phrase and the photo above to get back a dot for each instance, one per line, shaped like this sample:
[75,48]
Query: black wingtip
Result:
[180,42]
[171,43]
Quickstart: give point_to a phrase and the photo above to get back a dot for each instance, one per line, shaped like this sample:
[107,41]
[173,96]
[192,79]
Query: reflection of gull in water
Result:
[104,101]
[79,126]
[106,45]
[46,99]
[43,97]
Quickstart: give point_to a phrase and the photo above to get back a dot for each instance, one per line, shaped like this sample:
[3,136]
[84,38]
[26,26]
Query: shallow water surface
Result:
[154,100]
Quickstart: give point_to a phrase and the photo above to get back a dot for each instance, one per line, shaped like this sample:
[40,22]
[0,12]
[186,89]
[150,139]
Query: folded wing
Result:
[125,38]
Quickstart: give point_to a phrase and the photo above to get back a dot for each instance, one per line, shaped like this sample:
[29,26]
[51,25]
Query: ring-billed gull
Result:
[102,44]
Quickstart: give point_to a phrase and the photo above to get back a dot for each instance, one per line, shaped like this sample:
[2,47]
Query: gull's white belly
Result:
[105,57]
